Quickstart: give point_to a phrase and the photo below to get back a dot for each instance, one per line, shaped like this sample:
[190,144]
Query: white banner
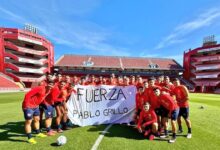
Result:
[93,105]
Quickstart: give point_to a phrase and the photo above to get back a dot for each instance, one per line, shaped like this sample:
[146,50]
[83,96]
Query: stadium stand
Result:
[7,83]
[24,53]
[103,65]
[202,66]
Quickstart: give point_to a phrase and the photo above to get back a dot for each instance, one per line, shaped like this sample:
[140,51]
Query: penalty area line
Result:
[99,139]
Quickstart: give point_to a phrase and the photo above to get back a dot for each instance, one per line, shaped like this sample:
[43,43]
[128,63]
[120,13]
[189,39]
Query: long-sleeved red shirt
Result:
[138,84]
[48,99]
[58,95]
[181,94]
[147,118]
[141,98]
[168,88]
[167,102]
[153,99]
[34,97]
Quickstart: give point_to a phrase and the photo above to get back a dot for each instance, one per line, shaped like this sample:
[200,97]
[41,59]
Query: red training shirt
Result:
[34,97]
[147,118]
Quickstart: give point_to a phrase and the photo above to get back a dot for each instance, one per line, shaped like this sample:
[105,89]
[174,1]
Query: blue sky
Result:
[139,28]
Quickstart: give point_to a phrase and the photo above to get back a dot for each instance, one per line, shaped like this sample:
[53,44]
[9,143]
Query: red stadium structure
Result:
[25,56]
[202,66]
[105,65]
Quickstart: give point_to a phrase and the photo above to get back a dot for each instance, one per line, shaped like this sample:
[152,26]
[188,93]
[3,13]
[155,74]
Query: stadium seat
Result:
[6,82]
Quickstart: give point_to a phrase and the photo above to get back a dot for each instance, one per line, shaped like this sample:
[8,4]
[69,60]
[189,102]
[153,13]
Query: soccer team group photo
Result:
[101,74]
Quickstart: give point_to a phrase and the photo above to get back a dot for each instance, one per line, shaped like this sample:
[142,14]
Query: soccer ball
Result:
[61,140]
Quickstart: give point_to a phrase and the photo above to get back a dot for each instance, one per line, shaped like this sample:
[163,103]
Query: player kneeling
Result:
[147,123]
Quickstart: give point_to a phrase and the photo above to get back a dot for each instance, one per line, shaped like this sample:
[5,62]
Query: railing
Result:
[189,85]
[7,90]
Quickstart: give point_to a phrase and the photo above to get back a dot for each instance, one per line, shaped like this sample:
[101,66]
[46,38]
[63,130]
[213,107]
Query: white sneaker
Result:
[189,136]
[164,136]
[172,140]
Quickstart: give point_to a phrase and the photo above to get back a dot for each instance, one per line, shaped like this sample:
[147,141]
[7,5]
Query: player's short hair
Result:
[147,103]
[50,83]
[166,77]
[145,82]
[154,89]
[140,87]
[62,81]
[151,78]
[176,79]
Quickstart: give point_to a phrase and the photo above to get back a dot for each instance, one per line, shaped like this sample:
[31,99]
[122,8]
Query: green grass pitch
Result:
[205,130]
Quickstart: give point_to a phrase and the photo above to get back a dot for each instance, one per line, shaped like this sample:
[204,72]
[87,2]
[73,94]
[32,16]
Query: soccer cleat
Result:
[180,131]
[172,140]
[41,135]
[54,131]
[151,137]
[164,136]
[32,141]
[189,136]
[59,130]
[146,133]
[50,133]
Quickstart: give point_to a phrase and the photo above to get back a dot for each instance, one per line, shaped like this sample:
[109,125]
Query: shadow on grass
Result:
[122,131]
[54,145]
[183,135]
[11,131]
[96,128]
[160,139]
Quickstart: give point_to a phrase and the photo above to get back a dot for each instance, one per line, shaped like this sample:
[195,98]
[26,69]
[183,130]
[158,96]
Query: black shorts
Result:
[149,127]
[164,112]
[184,112]
[158,111]
[58,104]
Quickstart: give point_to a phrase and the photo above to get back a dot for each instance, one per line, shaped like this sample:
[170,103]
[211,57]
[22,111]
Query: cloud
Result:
[6,14]
[143,54]
[65,24]
[205,19]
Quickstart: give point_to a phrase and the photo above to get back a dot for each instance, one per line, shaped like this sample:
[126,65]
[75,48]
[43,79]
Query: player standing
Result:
[170,108]
[30,107]
[182,97]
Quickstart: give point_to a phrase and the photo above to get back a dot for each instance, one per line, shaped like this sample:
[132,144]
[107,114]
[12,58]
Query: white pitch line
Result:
[99,139]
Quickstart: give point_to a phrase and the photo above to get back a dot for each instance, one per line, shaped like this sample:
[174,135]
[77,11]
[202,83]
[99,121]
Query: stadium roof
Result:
[91,61]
